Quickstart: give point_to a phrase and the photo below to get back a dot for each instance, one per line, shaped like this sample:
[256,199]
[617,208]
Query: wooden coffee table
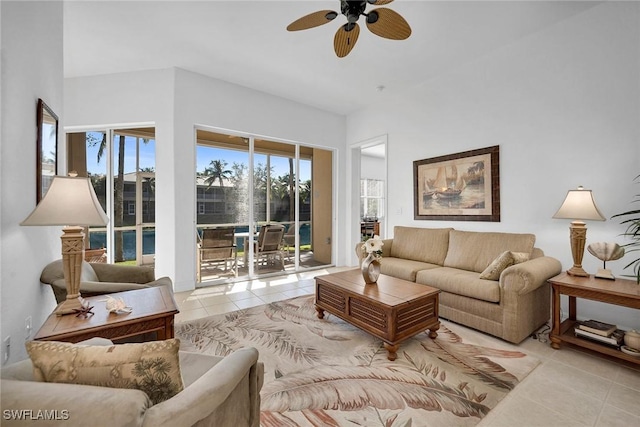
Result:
[153,311]
[391,309]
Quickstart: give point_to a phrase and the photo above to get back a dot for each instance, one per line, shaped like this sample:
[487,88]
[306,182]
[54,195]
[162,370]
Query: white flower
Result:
[373,245]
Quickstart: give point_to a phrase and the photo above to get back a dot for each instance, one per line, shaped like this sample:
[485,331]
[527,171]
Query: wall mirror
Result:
[47,149]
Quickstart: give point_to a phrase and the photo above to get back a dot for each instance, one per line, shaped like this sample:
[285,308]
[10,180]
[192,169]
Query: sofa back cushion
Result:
[474,251]
[421,244]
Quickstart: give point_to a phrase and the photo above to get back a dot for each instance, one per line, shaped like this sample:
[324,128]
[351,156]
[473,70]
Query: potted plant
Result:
[632,221]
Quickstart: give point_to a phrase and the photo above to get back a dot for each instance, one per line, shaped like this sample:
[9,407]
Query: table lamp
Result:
[578,205]
[70,202]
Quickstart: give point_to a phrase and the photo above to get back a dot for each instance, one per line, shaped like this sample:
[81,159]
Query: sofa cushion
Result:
[460,282]
[519,257]
[405,269]
[504,260]
[474,251]
[420,244]
[497,266]
[152,367]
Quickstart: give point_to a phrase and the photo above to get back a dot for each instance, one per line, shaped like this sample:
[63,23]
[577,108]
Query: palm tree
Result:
[305,191]
[292,198]
[118,213]
[150,183]
[118,209]
[217,171]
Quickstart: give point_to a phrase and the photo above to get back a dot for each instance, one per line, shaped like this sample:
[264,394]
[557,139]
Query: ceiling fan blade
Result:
[345,39]
[379,2]
[311,20]
[387,23]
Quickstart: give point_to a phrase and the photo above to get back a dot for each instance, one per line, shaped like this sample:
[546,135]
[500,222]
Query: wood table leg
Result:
[555,332]
[433,331]
[168,327]
[392,351]
[320,312]
[572,308]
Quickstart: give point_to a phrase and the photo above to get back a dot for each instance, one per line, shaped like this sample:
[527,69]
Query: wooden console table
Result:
[153,311]
[619,292]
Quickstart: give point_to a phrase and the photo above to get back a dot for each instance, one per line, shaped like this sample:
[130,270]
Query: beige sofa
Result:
[100,279]
[218,391]
[510,308]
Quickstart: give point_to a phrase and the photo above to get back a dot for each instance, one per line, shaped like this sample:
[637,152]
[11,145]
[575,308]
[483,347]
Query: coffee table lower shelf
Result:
[567,335]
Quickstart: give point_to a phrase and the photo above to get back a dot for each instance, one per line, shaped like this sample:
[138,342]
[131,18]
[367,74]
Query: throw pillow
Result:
[493,271]
[152,367]
[519,257]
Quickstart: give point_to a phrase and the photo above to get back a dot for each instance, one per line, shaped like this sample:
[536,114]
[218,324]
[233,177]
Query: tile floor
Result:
[568,388]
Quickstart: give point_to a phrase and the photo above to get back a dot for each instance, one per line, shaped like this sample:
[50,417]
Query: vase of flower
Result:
[371,264]
[370,269]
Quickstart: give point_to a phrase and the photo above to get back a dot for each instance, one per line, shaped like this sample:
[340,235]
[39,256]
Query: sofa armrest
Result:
[123,273]
[72,405]
[163,281]
[210,391]
[93,288]
[530,275]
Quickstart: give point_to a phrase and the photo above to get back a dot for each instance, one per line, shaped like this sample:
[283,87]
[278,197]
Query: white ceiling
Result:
[245,42]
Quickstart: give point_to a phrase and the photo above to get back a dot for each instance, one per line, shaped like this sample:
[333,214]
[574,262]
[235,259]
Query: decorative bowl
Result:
[632,339]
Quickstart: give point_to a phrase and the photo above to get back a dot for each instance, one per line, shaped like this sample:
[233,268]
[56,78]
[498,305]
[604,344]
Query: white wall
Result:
[372,168]
[562,104]
[176,101]
[31,68]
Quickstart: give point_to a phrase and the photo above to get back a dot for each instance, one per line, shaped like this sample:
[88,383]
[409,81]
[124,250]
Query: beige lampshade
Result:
[69,201]
[579,204]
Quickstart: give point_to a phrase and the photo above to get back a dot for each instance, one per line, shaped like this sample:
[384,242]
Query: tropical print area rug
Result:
[329,373]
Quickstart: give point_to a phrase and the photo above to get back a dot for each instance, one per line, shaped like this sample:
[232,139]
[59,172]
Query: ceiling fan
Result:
[381,21]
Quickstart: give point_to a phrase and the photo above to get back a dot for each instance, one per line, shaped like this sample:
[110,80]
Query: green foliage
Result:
[631,219]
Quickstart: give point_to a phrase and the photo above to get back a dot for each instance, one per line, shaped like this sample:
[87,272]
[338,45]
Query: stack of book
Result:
[604,333]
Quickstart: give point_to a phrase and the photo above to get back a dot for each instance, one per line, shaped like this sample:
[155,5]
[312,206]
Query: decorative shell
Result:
[632,339]
[117,305]
[606,251]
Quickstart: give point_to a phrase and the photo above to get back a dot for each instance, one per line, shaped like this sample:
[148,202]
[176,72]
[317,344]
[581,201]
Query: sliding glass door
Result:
[253,185]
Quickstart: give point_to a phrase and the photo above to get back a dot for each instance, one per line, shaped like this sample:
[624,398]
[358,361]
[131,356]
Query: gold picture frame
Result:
[458,187]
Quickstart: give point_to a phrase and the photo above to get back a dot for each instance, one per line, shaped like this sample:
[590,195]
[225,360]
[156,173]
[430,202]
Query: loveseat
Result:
[100,279]
[511,306]
[218,391]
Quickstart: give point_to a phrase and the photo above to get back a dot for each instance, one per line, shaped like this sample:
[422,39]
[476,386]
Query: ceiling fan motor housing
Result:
[353,9]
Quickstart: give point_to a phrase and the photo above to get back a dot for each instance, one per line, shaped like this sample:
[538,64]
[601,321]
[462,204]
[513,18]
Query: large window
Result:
[371,198]
[126,189]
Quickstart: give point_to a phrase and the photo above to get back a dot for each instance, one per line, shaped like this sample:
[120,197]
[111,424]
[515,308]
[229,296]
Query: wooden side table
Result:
[153,311]
[619,292]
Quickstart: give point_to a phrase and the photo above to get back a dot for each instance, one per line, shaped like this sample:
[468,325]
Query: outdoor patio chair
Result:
[217,247]
[269,244]
[289,240]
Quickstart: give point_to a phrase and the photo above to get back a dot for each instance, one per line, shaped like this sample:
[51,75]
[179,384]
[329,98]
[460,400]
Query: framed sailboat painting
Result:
[458,187]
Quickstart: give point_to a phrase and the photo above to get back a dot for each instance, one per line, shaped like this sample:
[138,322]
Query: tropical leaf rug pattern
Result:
[330,373]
